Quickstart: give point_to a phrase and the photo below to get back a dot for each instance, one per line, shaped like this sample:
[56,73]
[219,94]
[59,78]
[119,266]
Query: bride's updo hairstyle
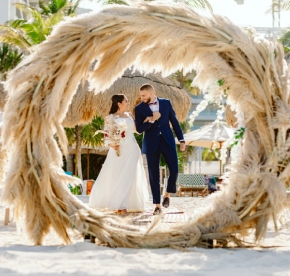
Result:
[118,98]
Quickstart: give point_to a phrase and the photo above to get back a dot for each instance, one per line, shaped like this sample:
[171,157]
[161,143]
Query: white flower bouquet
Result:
[114,132]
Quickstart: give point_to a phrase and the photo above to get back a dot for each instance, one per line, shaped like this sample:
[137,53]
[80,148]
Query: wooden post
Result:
[88,164]
[70,163]
[221,162]
[78,165]
[6,218]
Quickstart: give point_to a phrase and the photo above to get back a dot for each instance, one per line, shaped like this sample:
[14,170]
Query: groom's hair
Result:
[147,86]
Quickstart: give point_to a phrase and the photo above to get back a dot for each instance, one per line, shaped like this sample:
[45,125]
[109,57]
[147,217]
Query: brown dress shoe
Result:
[157,211]
[166,202]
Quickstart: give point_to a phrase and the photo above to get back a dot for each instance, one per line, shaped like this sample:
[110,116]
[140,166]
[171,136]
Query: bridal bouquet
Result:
[114,132]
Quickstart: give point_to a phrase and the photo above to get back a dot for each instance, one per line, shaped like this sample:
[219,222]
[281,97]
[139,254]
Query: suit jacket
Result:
[152,130]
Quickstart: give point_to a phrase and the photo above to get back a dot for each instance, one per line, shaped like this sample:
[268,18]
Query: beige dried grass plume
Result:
[150,38]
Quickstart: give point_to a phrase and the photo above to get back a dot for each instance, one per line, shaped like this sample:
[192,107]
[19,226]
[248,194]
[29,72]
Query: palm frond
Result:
[9,59]
[14,38]
[88,133]
[45,9]
[49,7]
[199,4]
[282,5]
[30,11]
[52,6]
[285,39]
[70,134]
[285,5]
[16,23]
[72,8]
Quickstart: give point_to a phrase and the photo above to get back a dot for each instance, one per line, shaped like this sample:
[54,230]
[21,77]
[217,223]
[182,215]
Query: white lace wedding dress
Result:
[122,182]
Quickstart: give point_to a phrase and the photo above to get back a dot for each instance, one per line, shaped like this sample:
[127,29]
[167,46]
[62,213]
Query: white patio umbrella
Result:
[204,136]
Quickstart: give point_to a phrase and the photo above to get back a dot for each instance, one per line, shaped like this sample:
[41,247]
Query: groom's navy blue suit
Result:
[158,139]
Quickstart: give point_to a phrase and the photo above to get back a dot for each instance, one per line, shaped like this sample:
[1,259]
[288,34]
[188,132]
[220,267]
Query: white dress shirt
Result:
[154,106]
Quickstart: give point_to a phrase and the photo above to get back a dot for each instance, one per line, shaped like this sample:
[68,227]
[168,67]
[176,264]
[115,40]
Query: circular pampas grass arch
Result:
[3,96]
[151,39]
[86,104]
[231,119]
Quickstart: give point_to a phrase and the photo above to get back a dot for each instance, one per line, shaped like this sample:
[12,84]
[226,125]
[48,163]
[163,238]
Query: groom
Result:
[153,116]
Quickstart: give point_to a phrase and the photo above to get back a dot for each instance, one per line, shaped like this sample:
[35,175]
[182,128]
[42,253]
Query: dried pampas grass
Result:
[149,38]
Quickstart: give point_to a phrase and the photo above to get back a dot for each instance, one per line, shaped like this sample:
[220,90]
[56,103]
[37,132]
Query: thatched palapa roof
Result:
[86,104]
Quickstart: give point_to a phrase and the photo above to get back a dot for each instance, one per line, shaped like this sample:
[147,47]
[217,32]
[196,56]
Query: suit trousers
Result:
[153,160]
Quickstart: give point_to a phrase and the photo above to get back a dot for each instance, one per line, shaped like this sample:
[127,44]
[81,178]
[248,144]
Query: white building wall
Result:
[8,10]
[4,11]
[196,165]
[204,167]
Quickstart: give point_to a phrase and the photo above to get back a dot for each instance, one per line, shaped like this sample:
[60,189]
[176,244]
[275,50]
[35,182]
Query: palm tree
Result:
[210,154]
[276,11]
[285,38]
[49,7]
[24,33]
[84,135]
[185,81]
[9,58]
[285,5]
[276,7]
[74,136]
[90,139]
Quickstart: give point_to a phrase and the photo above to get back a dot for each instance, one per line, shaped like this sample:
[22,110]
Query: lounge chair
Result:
[192,183]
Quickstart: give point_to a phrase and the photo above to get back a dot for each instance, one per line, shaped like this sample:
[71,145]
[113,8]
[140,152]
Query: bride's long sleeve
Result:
[107,140]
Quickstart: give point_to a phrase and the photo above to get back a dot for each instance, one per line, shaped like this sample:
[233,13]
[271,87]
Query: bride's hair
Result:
[118,98]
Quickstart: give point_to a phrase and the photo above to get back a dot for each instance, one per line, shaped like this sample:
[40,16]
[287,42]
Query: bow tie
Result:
[153,103]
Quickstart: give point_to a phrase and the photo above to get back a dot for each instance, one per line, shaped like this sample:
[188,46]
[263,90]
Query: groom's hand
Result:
[182,146]
[156,115]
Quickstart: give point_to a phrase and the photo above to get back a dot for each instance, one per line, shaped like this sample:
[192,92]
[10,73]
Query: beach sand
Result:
[19,257]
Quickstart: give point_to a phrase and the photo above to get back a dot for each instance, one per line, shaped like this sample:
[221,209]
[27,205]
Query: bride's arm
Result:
[107,141]
[132,116]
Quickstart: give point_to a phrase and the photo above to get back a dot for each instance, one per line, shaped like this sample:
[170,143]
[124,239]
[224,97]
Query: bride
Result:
[121,184]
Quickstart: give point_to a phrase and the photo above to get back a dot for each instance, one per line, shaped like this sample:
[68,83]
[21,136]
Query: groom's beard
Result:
[147,101]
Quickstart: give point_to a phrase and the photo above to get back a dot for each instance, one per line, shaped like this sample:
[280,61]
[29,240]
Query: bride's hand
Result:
[115,147]
[156,115]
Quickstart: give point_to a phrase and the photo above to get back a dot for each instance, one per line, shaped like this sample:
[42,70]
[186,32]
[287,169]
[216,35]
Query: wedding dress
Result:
[122,182]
